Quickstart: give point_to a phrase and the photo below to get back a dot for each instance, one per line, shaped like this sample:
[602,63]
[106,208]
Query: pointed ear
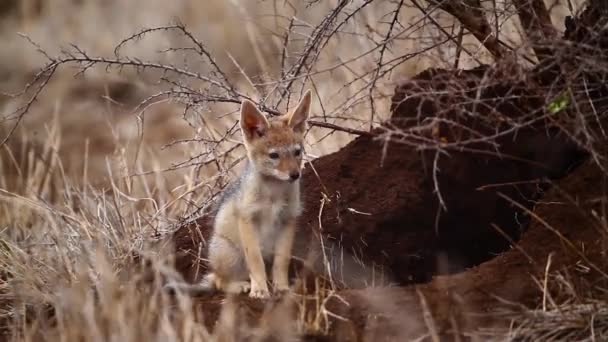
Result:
[253,123]
[297,119]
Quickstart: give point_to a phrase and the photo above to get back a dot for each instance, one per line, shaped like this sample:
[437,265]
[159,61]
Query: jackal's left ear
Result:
[297,119]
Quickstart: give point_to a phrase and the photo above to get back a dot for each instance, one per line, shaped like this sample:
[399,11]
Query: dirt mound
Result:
[377,204]
[566,238]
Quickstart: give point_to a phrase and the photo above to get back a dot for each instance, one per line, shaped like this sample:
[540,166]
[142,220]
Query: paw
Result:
[260,292]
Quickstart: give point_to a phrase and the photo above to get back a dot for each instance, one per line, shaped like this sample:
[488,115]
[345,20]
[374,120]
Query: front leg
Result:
[282,256]
[253,258]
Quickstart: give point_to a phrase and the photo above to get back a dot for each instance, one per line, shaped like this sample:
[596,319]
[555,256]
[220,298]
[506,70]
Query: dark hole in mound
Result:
[481,220]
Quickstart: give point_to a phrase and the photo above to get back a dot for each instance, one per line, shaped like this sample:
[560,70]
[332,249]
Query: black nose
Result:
[294,175]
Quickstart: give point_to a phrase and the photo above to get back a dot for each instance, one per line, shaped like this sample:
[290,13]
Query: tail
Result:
[206,287]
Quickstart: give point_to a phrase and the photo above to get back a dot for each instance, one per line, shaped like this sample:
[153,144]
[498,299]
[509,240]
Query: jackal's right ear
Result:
[253,123]
[297,118]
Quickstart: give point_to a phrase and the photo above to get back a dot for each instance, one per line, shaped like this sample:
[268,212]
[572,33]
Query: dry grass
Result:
[86,184]
[568,313]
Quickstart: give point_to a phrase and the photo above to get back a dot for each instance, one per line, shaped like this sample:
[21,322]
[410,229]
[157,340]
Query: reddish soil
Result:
[472,299]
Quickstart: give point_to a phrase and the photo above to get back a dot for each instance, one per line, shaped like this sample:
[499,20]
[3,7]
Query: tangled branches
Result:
[563,89]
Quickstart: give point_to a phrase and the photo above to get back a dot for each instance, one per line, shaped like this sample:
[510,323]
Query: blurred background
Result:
[91,115]
[90,119]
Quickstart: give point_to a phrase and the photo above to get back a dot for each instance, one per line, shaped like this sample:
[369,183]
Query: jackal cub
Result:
[256,219]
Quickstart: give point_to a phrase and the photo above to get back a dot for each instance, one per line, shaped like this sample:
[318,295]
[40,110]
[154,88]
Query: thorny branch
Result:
[304,61]
[389,32]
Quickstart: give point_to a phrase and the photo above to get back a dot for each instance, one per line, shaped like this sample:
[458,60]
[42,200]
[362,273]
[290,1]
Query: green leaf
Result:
[559,103]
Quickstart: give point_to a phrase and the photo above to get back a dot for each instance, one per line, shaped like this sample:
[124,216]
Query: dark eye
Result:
[297,152]
[273,155]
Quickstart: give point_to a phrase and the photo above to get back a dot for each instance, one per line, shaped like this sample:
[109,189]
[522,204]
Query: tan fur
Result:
[256,222]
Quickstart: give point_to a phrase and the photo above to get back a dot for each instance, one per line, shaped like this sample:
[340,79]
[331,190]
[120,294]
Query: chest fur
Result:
[270,223]
[270,206]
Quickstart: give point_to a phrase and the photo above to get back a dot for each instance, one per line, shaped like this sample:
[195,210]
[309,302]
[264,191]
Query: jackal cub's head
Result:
[275,147]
